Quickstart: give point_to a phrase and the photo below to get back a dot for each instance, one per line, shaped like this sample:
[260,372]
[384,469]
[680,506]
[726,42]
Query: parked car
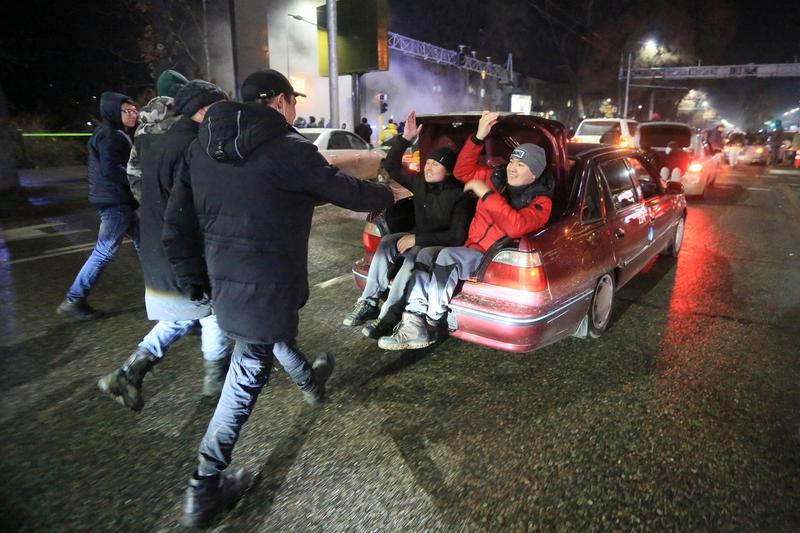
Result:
[347,151]
[591,129]
[611,215]
[703,162]
[755,149]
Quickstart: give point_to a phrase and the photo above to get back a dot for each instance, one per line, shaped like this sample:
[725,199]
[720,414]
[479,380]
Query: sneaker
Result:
[410,334]
[378,328]
[206,497]
[362,312]
[321,370]
[77,309]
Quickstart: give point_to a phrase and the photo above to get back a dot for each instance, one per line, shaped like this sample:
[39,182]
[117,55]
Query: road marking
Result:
[759,189]
[785,172]
[334,281]
[60,251]
[34,232]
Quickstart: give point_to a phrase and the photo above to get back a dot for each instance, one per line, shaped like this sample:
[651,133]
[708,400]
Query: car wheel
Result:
[600,309]
[674,246]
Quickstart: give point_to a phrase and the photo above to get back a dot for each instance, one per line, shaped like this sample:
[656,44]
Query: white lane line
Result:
[759,189]
[334,281]
[33,232]
[38,235]
[785,172]
[59,251]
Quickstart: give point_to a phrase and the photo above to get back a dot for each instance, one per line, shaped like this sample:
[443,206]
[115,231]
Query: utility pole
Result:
[627,87]
[333,66]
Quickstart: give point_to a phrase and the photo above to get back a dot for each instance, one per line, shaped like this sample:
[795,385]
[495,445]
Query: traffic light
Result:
[384,100]
[384,107]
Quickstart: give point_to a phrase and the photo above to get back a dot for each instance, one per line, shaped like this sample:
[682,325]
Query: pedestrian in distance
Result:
[110,194]
[512,201]
[159,158]
[312,122]
[442,214]
[251,187]
[364,130]
[389,132]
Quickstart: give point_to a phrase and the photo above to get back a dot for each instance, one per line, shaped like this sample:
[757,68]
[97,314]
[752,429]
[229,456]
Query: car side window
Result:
[649,186]
[338,141]
[592,210]
[620,185]
[356,143]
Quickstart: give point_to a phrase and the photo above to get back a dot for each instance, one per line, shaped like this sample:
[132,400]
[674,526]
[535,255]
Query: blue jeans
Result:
[115,222]
[248,374]
[213,342]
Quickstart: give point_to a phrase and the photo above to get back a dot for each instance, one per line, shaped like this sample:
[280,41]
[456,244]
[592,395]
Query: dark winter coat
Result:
[109,149]
[442,211]
[160,157]
[252,184]
[364,131]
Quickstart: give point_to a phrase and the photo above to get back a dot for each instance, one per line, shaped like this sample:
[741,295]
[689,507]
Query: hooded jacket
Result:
[161,160]
[251,187]
[495,216]
[109,149]
[441,210]
[154,119]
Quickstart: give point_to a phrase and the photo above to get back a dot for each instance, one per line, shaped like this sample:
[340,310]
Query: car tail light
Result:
[759,150]
[517,270]
[623,143]
[371,237]
[695,167]
[414,167]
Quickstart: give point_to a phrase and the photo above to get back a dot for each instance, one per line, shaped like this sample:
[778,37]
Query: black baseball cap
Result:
[266,83]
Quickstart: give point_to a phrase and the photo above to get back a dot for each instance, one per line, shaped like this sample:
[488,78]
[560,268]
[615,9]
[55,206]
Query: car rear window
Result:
[661,136]
[310,136]
[595,127]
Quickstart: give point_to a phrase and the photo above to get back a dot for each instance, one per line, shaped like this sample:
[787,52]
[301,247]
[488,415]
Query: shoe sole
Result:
[404,345]
[110,385]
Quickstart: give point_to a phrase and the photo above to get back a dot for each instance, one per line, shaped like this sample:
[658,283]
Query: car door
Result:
[367,161]
[661,207]
[629,220]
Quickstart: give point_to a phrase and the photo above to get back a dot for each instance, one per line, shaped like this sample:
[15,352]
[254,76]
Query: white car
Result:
[703,162]
[347,151]
[590,130]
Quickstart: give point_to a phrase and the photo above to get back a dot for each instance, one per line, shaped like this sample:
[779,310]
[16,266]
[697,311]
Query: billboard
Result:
[362,41]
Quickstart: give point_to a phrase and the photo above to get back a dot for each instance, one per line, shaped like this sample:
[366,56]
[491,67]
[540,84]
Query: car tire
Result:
[674,247]
[599,314]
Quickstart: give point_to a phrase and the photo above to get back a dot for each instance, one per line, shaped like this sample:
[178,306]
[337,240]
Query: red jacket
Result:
[494,217]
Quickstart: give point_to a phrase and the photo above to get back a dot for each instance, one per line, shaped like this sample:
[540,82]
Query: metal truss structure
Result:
[443,56]
[718,72]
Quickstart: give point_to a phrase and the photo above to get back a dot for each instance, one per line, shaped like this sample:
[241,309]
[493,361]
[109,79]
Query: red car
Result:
[611,215]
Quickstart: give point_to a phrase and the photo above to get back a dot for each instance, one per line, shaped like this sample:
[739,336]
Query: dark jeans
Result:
[115,223]
[248,374]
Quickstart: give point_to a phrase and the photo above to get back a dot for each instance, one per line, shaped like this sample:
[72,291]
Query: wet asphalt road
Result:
[684,416]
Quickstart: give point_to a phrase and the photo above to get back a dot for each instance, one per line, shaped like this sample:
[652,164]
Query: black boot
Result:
[380,327]
[215,377]
[321,370]
[77,309]
[209,496]
[125,384]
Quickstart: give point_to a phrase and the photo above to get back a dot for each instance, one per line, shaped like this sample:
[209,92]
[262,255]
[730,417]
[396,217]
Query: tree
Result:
[8,169]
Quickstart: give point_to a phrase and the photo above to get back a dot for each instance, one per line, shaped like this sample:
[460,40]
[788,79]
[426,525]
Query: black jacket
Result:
[253,182]
[109,149]
[442,212]
[160,157]
[364,131]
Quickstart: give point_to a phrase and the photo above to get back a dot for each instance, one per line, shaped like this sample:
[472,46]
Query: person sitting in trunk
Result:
[442,214]
[674,159]
[612,135]
[513,201]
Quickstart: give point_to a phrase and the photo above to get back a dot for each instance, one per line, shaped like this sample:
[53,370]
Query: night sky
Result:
[55,55]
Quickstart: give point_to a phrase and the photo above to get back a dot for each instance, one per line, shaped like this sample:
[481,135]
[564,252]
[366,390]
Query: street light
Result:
[650,46]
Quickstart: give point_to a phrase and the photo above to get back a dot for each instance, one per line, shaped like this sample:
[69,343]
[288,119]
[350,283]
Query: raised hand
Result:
[411,129]
[488,119]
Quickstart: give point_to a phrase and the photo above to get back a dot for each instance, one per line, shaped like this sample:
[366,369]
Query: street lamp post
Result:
[627,87]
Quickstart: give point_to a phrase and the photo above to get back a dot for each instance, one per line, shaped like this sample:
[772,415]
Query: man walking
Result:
[252,185]
[159,156]
[364,130]
[109,193]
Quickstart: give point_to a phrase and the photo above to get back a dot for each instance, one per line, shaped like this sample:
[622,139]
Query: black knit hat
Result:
[445,156]
[197,94]
[266,84]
